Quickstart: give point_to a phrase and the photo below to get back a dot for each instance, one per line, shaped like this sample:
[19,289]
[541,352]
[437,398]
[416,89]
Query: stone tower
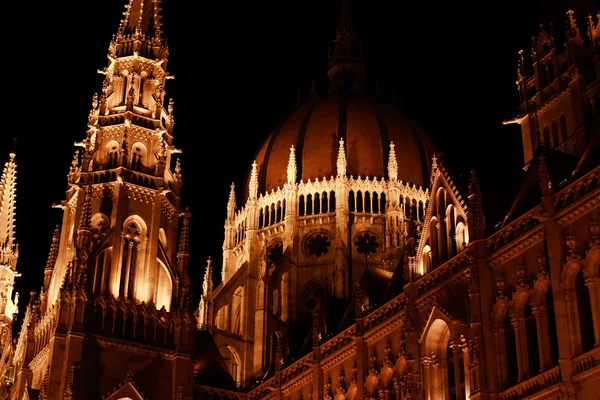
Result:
[114,309]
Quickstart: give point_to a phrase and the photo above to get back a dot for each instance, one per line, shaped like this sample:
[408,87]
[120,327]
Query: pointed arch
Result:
[164,287]
[435,341]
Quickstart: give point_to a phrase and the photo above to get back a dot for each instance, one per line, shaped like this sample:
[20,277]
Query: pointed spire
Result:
[392,163]
[253,185]
[475,216]
[207,284]
[573,29]
[346,63]
[53,255]
[178,169]
[184,239]
[291,167]
[8,188]
[545,181]
[341,160]
[141,17]
[434,167]
[231,202]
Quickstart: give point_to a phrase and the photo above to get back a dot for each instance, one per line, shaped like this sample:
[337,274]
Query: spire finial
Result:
[253,185]
[434,167]
[291,167]
[8,189]
[184,239]
[341,160]
[392,163]
[231,202]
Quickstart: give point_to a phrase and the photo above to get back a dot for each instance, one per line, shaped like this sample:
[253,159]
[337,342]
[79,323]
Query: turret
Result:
[205,308]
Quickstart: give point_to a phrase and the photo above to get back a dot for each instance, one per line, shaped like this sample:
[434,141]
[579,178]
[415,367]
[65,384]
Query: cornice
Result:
[39,358]
[338,356]
[134,348]
[588,202]
[297,382]
[135,192]
[531,238]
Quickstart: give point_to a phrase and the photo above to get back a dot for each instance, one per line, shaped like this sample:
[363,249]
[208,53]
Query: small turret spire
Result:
[231,202]
[205,298]
[434,167]
[341,160]
[207,284]
[573,29]
[253,185]
[291,167]
[86,212]
[8,188]
[184,239]
[392,163]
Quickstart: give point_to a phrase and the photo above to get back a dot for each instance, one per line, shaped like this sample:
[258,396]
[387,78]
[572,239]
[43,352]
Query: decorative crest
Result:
[207,285]
[341,160]
[291,167]
[392,163]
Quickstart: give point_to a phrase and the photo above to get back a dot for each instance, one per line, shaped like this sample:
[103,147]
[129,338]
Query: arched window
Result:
[584,306]
[112,154]
[382,203]
[367,202]
[331,201]
[552,327]
[222,317]
[232,361]
[317,206]
[426,260]
[359,202]
[164,287]
[512,367]
[236,309]
[462,236]
[309,205]
[301,206]
[533,354]
[132,233]
[324,203]
[351,201]
[138,156]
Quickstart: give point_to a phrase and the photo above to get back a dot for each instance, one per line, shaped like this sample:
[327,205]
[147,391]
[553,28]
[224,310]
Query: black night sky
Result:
[238,67]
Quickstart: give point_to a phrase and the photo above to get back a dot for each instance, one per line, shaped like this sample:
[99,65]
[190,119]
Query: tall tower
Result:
[558,87]
[9,253]
[116,293]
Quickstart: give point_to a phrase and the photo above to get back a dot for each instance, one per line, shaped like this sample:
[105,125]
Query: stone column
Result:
[543,336]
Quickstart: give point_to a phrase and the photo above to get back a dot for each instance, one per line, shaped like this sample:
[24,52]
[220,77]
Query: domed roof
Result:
[366,123]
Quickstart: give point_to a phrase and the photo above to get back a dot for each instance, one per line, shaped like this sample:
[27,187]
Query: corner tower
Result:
[116,294]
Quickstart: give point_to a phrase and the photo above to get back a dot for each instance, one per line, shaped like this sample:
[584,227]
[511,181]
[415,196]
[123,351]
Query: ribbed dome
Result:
[366,123]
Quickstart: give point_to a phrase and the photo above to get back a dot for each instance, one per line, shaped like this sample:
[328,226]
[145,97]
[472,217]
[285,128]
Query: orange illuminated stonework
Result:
[354,268]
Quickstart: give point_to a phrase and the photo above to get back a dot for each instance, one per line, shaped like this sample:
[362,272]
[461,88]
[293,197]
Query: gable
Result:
[447,211]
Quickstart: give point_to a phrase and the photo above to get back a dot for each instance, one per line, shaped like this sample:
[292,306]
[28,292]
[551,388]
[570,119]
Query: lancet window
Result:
[130,253]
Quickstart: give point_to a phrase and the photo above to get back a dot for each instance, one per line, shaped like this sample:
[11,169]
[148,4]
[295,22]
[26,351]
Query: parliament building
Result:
[353,267]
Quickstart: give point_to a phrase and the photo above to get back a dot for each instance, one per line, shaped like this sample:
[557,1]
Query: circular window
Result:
[366,244]
[318,244]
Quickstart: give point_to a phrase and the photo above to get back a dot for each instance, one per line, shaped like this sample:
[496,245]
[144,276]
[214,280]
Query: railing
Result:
[587,361]
[534,385]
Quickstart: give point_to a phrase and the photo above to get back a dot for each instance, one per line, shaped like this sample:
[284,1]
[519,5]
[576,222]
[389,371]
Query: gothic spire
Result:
[141,17]
[53,255]
[207,284]
[231,202]
[8,187]
[346,63]
[573,29]
[253,185]
[291,167]
[392,163]
[184,239]
[341,160]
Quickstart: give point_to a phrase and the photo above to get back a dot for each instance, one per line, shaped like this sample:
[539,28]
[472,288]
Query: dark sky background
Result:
[238,67]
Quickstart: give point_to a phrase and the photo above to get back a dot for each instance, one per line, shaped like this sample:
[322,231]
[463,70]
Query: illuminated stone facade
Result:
[114,310]
[433,305]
